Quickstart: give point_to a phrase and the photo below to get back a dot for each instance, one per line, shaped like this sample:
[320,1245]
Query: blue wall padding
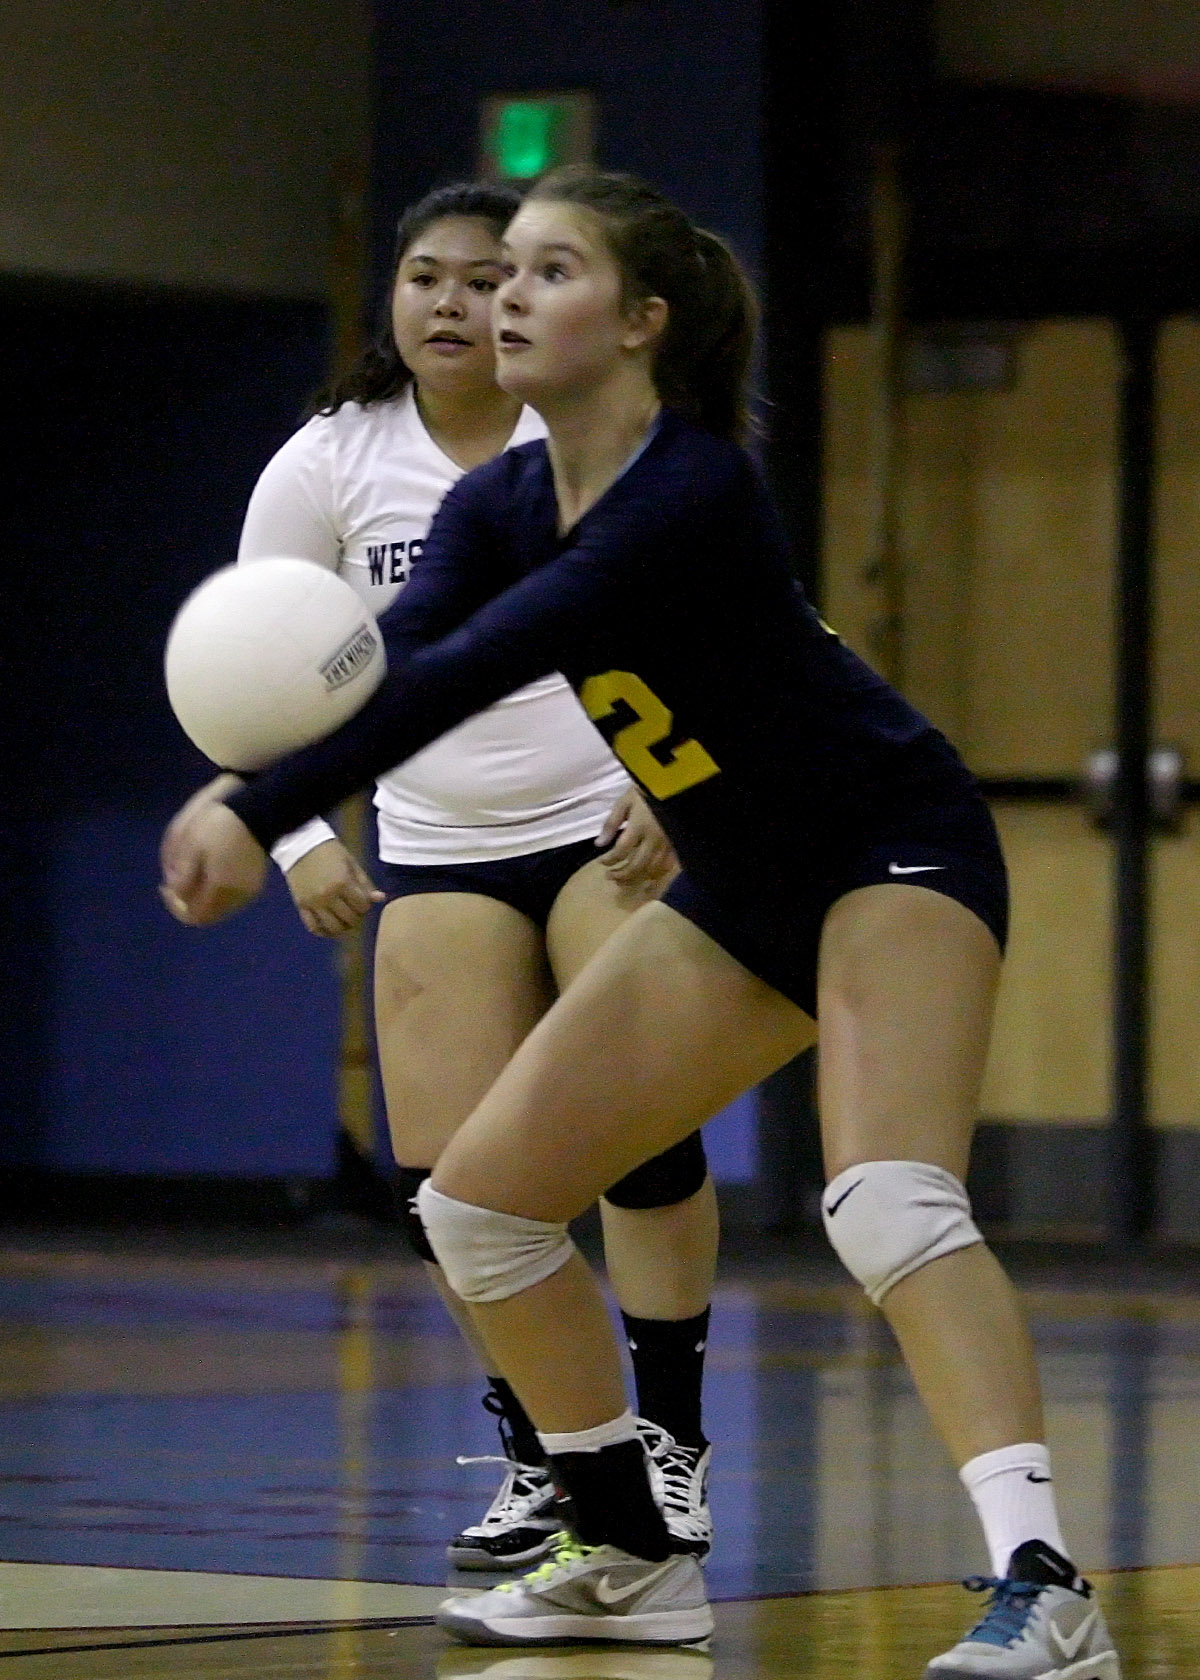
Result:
[133,1045]
[177,1050]
[731,1141]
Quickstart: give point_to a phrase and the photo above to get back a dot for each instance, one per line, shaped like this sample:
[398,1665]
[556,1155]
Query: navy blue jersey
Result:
[764,745]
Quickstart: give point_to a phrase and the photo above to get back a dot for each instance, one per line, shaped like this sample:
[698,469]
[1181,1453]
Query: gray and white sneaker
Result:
[519,1527]
[1042,1622]
[679,1483]
[589,1593]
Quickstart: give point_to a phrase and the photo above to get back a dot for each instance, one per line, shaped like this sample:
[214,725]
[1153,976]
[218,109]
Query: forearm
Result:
[318,778]
[429,690]
[430,693]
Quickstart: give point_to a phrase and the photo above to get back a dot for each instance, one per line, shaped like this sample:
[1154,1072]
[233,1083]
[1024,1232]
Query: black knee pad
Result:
[407,1182]
[668,1178]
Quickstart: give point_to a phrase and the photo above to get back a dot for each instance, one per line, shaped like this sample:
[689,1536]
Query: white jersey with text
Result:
[356,491]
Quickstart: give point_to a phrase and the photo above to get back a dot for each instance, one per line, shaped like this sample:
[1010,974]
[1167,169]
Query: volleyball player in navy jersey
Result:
[488,848]
[837,862]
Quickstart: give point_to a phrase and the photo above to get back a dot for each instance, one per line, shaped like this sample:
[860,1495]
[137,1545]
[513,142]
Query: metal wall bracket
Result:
[1165,787]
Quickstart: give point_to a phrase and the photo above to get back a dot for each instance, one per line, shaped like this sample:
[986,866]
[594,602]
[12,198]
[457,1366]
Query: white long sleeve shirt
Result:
[356,491]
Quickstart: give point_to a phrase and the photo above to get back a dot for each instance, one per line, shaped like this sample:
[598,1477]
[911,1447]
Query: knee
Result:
[887,1219]
[674,1176]
[489,1256]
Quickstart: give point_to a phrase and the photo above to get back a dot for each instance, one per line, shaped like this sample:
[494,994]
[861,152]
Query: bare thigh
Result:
[590,908]
[460,980]
[906,991]
[660,1030]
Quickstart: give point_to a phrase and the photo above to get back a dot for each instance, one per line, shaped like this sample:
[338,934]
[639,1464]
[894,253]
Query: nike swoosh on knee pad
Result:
[830,1211]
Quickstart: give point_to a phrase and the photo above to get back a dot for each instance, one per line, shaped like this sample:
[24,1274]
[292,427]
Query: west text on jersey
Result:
[391,562]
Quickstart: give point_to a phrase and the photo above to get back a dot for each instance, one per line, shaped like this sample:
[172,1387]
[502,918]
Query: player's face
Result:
[442,305]
[560,324]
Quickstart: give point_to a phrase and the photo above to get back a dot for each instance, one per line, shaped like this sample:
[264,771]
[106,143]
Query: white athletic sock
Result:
[623,1428]
[1013,1492]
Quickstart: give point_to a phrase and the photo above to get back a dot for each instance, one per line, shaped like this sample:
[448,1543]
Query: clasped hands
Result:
[211,863]
[213,866]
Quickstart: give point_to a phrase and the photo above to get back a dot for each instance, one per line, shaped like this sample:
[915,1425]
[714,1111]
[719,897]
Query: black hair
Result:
[379,373]
[702,361]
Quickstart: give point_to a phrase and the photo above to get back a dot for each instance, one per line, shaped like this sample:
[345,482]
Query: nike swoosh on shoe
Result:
[614,1595]
[1070,1645]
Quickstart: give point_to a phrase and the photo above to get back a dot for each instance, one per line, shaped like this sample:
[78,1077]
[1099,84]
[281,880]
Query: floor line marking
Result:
[223,1638]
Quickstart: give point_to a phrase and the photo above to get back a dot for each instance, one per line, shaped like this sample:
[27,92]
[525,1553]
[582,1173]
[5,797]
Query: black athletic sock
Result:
[668,1367]
[516,1432]
[610,1500]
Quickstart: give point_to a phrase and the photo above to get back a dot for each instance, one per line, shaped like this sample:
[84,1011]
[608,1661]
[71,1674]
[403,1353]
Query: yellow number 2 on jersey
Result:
[683,767]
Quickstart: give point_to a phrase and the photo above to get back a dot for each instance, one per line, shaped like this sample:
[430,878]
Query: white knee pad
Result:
[887,1219]
[489,1256]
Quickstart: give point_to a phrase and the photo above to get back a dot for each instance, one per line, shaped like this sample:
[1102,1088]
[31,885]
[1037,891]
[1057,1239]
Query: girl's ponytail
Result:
[709,357]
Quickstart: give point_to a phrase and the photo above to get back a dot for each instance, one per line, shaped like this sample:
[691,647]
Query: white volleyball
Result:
[266,657]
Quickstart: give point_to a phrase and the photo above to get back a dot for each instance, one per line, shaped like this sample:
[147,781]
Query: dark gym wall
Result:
[678,86]
[131,1045]
[162,317]
[678,90]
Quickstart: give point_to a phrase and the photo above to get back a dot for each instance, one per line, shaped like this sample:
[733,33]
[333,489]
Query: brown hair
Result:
[702,361]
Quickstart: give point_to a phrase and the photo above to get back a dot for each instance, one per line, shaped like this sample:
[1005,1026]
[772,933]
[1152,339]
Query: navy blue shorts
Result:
[530,883]
[949,847]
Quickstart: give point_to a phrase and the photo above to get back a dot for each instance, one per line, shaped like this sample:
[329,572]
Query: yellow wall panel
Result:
[1177,531]
[1040,639]
[1050,1056]
[938,523]
[848,486]
[1175,980]
[1006,535]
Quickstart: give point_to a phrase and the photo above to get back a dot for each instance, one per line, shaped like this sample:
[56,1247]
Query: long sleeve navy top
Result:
[762,743]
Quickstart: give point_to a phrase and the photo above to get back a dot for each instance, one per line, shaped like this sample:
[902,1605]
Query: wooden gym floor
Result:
[224,1466]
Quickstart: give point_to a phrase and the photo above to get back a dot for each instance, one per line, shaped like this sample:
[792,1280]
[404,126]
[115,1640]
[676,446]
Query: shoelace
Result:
[676,1467]
[1005,1619]
[569,1550]
[523,1485]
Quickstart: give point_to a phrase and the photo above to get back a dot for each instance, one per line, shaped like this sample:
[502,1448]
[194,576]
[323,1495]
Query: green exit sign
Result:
[523,135]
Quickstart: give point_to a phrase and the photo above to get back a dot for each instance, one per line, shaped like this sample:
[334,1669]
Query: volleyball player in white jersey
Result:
[488,840]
